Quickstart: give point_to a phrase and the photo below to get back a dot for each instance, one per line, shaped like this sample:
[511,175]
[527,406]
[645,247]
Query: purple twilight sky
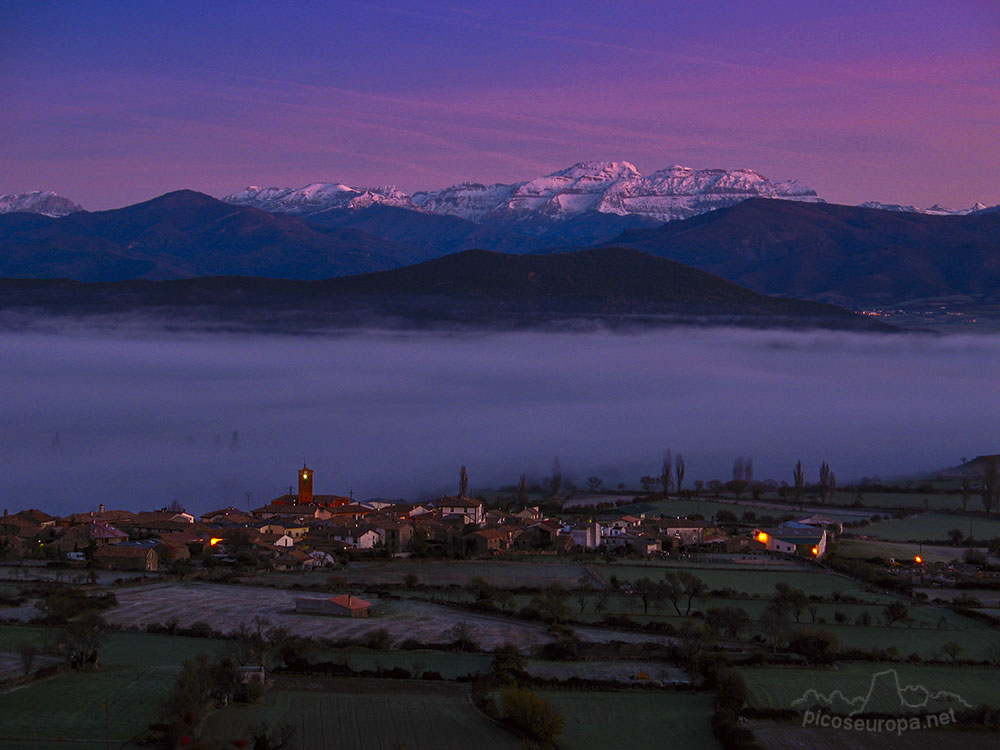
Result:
[111,103]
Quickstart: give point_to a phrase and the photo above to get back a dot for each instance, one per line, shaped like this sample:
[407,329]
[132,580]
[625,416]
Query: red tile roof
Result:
[349,601]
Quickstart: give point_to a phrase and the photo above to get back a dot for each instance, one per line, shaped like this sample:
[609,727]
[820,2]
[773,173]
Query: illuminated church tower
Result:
[305,485]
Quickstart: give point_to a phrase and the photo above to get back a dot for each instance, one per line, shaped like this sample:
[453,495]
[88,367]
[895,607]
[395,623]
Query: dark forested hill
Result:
[844,254]
[186,234]
[476,288]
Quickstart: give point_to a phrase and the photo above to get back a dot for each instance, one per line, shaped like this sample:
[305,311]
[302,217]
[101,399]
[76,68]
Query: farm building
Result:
[128,557]
[345,605]
[802,542]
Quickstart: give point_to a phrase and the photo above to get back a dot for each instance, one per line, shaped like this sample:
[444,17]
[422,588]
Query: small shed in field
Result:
[345,605]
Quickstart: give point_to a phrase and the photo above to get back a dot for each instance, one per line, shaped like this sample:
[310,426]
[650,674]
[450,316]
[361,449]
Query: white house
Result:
[801,542]
[462,506]
[586,535]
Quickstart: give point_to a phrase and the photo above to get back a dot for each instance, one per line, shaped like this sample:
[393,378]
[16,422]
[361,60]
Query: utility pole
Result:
[248,494]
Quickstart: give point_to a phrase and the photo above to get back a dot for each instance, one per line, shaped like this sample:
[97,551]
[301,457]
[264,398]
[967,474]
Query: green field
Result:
[747,580]
[900,551]
[596,721]
[931,526]
[974,637]
[777,687]
[501,573]
[449,664]
[124,649]
[377,714]
[70,707]
[875,500]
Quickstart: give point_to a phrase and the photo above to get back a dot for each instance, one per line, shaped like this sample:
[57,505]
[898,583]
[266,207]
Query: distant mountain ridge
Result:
[187,234]
[847,255]
[610,187]
[44,202]
[472,289]
[935,210]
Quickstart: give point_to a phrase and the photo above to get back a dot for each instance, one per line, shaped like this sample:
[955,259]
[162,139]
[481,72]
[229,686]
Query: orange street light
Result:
[918,559]
[213,541]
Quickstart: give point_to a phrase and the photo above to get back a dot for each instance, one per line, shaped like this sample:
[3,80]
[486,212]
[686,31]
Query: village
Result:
[306,530]
[685,607]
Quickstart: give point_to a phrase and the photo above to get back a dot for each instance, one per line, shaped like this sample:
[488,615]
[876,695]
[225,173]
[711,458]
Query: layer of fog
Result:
[136,421]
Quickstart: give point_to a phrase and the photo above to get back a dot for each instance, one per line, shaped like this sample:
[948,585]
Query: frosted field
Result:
[225,607]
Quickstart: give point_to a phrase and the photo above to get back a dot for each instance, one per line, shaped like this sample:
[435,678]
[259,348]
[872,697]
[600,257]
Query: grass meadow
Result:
[370,714]
[600,720]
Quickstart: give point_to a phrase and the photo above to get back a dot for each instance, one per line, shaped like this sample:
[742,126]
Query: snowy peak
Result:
[599,170]
[317,197]
[43,202]
[935,210]
[617,187]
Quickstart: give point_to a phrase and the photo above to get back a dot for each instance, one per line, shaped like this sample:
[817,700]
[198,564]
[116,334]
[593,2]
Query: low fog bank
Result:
[136,420]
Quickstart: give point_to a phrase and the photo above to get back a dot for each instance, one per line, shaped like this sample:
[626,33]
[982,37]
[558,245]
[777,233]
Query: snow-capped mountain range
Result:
[934,210]
[615,187]
[609,187]
[318,197]
[38,202]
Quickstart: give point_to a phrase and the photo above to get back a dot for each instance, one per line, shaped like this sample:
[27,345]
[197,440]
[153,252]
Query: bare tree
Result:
[463,483]
[679,466]
[989,491]
[824,480]
[896,612]
[799,478]
[555,483]
[522,490]
[739,482]
[666,473]
[739,469]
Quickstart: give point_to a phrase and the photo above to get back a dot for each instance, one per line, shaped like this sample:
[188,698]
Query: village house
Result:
[801,542]
[531,513]
[394,535]
[128,557]
[280,541]
[539,535]
[487,541]
[100,515]
[682,532]
[471,510]
[102,533]
[293,559]
[228,515]
[586,535]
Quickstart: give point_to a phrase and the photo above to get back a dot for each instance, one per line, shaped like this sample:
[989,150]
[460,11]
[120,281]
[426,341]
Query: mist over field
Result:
[135,420]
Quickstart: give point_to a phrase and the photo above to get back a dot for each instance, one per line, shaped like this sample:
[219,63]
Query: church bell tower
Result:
[305,485]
